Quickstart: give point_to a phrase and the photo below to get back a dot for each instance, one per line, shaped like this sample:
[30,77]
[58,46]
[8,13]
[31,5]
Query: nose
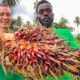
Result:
[5,17]
[45,13]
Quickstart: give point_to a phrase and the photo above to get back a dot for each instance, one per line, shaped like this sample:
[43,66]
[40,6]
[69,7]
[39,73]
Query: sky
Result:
[61,8]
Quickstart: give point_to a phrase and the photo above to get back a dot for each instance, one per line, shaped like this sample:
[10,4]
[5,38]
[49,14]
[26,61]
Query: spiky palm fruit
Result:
[37,52]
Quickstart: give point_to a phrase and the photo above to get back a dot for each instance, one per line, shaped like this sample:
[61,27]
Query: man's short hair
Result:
[42,2]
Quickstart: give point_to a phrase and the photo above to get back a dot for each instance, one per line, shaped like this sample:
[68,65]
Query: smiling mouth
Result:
[5,23]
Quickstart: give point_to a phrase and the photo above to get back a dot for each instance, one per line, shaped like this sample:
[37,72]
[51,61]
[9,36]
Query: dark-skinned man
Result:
[45,17]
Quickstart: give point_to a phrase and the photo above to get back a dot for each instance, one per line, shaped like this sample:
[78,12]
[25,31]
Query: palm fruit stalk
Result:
[36,52]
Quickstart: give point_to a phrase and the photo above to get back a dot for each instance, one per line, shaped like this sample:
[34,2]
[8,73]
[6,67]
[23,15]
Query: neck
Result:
[48,26]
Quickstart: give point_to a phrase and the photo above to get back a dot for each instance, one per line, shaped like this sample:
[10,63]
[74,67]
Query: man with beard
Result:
[45,17]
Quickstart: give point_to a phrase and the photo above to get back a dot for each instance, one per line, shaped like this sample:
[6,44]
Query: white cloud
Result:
[19,10]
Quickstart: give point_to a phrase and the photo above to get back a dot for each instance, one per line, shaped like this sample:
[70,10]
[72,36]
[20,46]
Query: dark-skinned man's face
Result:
[45,14]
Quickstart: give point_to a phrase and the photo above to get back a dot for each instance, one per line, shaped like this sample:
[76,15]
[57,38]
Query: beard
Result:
[46,23]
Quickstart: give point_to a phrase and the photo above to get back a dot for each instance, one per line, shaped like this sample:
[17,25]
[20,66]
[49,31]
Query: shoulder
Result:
[8,36]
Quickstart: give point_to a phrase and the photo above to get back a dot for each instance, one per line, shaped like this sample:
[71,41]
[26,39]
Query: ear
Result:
[37,16]
[53,16]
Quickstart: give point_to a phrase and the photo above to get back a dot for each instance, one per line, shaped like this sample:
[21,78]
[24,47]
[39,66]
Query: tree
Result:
[12,27]
[27,24]
[11,2]
[77,21]
[62,24]
[19,21]
[78,39]
[16,24]
[35,5]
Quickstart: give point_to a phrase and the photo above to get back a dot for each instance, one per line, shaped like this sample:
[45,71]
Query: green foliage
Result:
[35,20]
[77,21]
[16,24]
[62,24]
[19,21]
[11,2]
[78,39]
[26,24]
